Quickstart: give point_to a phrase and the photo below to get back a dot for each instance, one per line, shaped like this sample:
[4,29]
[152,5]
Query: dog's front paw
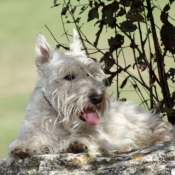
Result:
[77,147]
[20,153]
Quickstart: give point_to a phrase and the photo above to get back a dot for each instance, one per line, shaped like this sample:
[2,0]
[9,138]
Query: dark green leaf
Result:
[133,45]
[136,17]
[167,34]
[115,42]
[114,7]
[77,20]
[83,9]
[99,21]
[107,16]
[108,60]
[64,10]
[93,13]
[90,3]
[73,10]
[98,34]
[55,5]
[108,13]
[171,74]
[171,1]
[121,12]
[125,3]
[128,26]
[137,6]
[124,82]
[108,81]
[135,86]
[68,2]
[166,8]
[173,95]
[54,2]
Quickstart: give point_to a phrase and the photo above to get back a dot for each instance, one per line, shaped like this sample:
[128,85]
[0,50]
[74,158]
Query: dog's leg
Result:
[77,147]
[20,149]
[31,141]
[80,145]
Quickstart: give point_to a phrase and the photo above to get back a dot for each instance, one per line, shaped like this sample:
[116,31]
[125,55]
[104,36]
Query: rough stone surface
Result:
[154,160]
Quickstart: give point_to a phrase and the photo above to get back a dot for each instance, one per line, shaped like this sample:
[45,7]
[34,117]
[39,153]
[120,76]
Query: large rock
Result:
[158,160]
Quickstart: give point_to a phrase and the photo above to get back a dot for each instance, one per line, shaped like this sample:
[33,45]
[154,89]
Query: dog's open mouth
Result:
[91,117]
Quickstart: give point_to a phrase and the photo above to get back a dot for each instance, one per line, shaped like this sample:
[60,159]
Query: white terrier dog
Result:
[70,110]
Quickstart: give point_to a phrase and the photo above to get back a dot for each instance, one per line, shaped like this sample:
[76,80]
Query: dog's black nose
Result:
[95,98]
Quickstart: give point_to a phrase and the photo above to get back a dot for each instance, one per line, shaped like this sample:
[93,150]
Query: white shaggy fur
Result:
[70,111]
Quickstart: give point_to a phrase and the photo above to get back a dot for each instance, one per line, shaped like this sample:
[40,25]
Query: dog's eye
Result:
[69,77]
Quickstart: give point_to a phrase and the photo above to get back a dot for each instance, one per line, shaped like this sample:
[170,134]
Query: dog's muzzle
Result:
[95,98]
[90,115]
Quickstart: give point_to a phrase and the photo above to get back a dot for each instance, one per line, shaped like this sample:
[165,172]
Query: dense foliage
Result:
[133,26]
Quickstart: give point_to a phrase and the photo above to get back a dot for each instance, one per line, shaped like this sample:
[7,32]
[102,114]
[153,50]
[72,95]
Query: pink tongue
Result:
[91,117]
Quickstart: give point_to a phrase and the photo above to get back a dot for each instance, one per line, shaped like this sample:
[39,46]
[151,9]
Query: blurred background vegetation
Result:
[20,23]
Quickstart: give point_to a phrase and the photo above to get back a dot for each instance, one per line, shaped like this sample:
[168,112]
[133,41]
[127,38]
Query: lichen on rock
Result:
[153,160]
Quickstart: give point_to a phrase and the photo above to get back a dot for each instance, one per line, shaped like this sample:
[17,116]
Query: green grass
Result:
[20,23]
[12,110]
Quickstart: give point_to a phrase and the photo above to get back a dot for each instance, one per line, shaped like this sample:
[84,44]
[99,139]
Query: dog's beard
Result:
[75,109]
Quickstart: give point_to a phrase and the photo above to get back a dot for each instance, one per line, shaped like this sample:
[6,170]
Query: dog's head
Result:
[71,82]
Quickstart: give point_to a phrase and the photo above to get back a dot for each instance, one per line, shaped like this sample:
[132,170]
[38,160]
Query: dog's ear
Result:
[43,50]
[75,46]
